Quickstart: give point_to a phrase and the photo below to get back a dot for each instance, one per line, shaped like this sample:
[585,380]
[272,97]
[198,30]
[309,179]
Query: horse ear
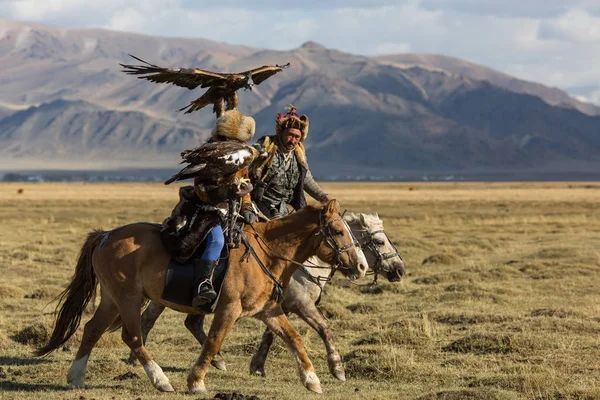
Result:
[332,207]
[362,218]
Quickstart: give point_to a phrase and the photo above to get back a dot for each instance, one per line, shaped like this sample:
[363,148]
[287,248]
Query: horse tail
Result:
[75,297]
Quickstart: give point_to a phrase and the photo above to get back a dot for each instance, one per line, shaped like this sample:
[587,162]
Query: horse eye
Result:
[339,233]
[379,242]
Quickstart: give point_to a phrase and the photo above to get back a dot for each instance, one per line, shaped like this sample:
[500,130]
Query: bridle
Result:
[328,236]
[369,243]
[380,257]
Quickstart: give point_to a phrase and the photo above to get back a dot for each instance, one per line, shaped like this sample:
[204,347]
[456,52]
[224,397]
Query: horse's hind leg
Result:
[94,328]
[257,363]
[195,324]
[132,336]
[149,317]
[313,317]
[279,324]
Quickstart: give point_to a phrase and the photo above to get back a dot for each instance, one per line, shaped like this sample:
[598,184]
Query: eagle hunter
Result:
[222,87]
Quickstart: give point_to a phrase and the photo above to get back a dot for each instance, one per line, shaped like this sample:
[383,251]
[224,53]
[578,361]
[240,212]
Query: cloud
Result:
[574,26]
[554,42]
[392,48]
[511,8]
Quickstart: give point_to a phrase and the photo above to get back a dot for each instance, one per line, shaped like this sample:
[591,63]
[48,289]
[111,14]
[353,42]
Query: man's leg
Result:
[205,266]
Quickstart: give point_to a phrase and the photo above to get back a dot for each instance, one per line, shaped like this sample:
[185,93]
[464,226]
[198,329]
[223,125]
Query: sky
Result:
[553,42]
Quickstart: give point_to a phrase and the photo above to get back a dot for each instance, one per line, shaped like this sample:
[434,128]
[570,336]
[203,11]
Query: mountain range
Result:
[66,104]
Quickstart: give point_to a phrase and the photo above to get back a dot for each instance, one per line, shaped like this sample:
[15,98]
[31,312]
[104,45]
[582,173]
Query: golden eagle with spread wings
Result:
[215,161]
[222,87]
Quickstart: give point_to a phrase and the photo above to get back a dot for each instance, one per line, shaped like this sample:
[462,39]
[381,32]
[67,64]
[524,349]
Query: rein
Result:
[277,294]
[326,234]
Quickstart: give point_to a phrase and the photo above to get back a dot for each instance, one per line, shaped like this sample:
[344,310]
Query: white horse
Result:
[303,294]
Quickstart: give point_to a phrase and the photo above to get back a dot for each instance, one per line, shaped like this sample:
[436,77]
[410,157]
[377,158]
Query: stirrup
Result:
[206,294]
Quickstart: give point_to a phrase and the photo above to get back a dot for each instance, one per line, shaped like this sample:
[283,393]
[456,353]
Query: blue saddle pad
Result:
[179,282]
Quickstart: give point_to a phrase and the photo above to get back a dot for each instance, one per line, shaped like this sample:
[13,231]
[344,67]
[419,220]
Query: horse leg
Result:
[313,317]
[149,317]
[132,336]
[103,317]
[257,363]
[195,324]
[279,324]
[222,323]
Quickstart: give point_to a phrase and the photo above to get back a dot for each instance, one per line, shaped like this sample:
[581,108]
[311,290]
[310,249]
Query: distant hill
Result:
[550,95]
[79,132]
[66,104]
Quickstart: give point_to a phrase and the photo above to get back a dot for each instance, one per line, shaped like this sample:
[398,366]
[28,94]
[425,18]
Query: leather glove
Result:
[249,216]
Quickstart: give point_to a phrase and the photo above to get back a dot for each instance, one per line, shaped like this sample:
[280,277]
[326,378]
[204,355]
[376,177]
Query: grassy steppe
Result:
[502,300]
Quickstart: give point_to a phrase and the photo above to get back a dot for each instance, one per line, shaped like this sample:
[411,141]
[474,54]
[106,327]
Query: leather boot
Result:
[203,271]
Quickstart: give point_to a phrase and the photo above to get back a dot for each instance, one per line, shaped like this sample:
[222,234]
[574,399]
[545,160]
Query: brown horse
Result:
[130,264]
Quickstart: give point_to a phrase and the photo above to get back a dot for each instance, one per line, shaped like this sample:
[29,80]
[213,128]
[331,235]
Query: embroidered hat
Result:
[292,120]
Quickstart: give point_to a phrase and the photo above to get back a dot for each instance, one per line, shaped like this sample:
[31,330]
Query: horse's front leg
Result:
[224,319]
[195,324]
[149,317]
[312,316]
[257,362]
[279,324]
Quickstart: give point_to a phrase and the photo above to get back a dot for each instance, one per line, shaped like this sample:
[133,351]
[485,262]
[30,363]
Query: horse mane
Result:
[277,227]
[371,220]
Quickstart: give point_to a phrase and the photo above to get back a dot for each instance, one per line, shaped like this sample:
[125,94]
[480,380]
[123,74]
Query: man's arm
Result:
[311,187]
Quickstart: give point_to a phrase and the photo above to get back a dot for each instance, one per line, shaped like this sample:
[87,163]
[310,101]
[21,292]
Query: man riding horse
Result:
[220,173]
[282,176]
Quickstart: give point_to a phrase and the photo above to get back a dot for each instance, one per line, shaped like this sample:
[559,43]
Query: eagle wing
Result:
[263,73]
[215,160]
[189,78]
[221,85]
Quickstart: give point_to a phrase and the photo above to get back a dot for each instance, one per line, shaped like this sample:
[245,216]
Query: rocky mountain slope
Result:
[64,101]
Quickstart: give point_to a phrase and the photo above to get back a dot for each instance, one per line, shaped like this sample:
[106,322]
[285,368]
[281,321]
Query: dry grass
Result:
[506,305]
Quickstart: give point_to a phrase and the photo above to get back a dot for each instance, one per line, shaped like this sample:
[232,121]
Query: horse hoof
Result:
[198,388]
[258,371]
[312,383]
[219,364]
[314,387]
[200,392]
[165,387]
[262,374]
[341,375]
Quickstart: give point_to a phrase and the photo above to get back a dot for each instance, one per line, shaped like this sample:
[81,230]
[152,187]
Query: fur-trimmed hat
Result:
[235,125]
[292,120]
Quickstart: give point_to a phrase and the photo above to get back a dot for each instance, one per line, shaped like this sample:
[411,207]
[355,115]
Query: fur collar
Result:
[270,144]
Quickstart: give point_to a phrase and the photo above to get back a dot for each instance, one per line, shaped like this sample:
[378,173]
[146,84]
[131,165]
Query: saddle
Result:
[179,282]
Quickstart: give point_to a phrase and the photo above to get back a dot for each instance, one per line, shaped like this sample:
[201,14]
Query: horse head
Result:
[337,245]
[381,254]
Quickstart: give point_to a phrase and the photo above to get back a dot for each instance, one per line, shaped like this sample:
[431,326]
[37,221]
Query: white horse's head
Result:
[381,254]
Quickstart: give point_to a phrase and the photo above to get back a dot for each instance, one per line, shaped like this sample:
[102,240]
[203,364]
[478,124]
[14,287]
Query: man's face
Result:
[290,137]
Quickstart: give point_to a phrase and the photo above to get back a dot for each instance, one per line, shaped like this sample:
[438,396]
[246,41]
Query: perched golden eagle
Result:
[222,87]
[215,162]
